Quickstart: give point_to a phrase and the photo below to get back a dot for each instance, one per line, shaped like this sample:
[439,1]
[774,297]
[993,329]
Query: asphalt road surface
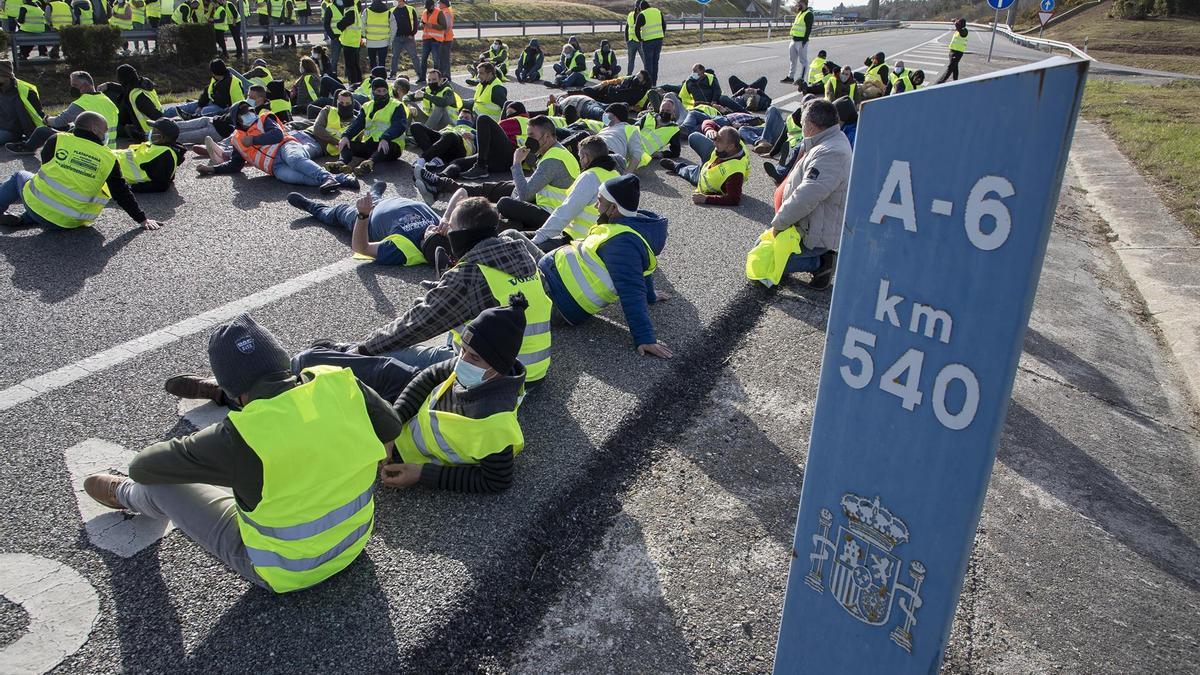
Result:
[650,522]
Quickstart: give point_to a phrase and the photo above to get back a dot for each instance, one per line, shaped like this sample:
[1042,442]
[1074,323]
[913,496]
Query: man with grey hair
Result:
[68,190]
[86,98]
[811,203]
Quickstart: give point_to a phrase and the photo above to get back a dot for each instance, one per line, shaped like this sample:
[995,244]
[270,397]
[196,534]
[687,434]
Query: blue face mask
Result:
[468,374]
[694,76]
[606,119]
[248,119]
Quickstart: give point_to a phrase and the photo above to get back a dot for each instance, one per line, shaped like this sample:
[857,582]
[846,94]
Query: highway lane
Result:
[435,558]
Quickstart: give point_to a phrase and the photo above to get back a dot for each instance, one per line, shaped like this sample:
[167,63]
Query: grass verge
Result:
[1141,119]
[181,81]
[1159,44]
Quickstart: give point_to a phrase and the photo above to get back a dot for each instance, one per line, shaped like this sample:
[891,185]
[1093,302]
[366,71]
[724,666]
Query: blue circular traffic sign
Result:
[1047,5]
[1000,4]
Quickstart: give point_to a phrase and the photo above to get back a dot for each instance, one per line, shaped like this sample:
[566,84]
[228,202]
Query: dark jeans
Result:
[370,150]
[353,67]
[377,56]
[736,84]
[428,49]
[522,215]
[493,191]
[952,67]
[387,376]
[651,51]
[495,149]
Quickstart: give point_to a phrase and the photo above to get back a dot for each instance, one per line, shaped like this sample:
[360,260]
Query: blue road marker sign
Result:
[704,2]
[941,252]
[1000,4]
[1047,5]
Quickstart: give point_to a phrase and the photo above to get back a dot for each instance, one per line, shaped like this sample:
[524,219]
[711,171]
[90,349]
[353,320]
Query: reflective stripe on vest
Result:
[905,77]
[279,105]
[461,130]
[221,19]
[261,156]
[581,224]
[685,96]
[307,81]
[122,23]
[653,28]
[142,120]
[319,454]
[378,120]
[799,27]
[814,70]
[60,14]
[445,89]
[483,104]
[654,136]
[235,89]
[412,254]
[958,43]
[795,132]
[550,197]
[429,26]
[631,28]
[535,345]
[69,190]
[630,130]
[333,124]
[139,14]
[35,20]
[713,174]
[351,36]
[23,91]
[609,61]
[261,80]
[874,74]
[766,261]
[99,103]
[446,438]
[132,158]
[583,273]
[377,24]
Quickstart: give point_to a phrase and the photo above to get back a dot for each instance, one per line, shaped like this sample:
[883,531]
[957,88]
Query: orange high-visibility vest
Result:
[261,156]
[429,29]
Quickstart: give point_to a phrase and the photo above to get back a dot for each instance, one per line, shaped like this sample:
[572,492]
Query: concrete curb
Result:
[1159,254]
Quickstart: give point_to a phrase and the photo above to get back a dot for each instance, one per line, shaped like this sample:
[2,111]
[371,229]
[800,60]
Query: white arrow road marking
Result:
[200,413]
[115,531]
[62,608]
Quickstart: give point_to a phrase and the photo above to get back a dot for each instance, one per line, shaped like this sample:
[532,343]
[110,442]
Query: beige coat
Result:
[815,190]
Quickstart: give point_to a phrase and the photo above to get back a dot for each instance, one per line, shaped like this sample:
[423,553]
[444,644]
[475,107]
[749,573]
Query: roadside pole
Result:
[996,5]
[919,364]
[703,4]
[774,17]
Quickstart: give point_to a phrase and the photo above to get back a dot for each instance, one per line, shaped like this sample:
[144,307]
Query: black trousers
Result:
[736,84]
[370,150]
[353,67]
[952,67]
[446,145]
[495,149]
[377,56]
[522,215]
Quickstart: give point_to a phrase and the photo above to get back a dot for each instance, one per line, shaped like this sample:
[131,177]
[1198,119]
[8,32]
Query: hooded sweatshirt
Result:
[461,294]
[626,259]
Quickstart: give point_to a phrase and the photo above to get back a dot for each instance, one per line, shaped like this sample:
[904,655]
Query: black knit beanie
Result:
[218,67]
[496,334]
[241,353]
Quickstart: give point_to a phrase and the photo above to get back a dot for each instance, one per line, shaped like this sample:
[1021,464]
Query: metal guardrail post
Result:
[522,29]
[562,29]
[478,31]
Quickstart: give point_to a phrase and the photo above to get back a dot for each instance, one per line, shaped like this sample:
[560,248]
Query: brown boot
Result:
[103,488]
[195,386]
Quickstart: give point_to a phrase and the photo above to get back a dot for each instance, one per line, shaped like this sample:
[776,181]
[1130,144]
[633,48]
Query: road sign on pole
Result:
[703,4]
[1047,5]
[1044,16]
[919,363]
[997,5]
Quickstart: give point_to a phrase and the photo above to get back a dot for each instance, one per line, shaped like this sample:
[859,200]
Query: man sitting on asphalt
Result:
[301,456]
[524,202]
[809,206]
[20,107]
[625,246]
[392,231]
[570,69]
[490,94]
[623,139]
[438,103]
[720,180]
[604,63]
[260,140]
[77,177]
[223,90]
[843,84]
[87,99]
[375,135]
[701,87]
[530,61]
[454,142]
[660,130]
[150,166]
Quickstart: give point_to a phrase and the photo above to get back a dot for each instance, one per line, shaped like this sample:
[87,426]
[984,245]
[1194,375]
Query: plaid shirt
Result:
[460,296]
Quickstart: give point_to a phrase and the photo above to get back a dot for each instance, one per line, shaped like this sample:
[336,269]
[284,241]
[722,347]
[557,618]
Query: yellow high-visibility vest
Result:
[444,437]
[713,174]
[654,27]
[535,344]
[69,190]
[584,274]
[550,197]
[581,224]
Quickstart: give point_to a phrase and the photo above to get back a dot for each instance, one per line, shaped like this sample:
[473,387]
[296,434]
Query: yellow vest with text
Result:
[70,189]
[584,274]
[319,456]
[535,345]
[439,437]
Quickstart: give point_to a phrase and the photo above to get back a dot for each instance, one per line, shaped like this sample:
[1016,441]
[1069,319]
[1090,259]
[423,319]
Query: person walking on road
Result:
[407,23]
[69,190]
[958,47]
[651,28]
[301,456]
[809,206]
[798,52]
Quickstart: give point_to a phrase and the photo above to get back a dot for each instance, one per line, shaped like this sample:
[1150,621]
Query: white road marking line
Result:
[110,530]
[62,608]
[34,387]
[773,56]
[892,57]
[939,64]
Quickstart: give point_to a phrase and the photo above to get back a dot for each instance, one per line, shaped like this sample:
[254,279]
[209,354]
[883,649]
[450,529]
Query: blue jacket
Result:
[851,130]
[626,260]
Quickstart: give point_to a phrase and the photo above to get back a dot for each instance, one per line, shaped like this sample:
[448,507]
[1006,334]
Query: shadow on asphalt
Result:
[36,259]
[1045,458]
[1073,369]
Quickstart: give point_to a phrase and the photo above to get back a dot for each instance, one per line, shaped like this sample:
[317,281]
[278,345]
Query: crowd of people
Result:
[432,397]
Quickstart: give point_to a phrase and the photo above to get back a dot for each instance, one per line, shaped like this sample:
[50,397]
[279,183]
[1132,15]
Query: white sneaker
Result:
[418,166]
[215,154]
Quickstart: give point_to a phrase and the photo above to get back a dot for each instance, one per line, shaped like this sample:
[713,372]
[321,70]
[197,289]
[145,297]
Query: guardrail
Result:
[1016,38]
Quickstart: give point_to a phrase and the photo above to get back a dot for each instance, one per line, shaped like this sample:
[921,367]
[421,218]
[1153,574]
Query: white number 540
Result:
[903,379]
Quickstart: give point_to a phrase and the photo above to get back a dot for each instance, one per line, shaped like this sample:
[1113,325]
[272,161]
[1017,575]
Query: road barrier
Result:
[1040,44]
[50,38]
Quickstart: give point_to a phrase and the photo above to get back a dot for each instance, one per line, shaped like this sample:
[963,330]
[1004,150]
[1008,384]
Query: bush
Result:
[91,47]
[1130,9]
[4,45]
[189,43]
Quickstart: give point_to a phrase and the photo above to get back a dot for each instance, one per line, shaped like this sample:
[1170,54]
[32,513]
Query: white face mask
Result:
[897,70]
[468,375]
[606,119]
[248,119]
